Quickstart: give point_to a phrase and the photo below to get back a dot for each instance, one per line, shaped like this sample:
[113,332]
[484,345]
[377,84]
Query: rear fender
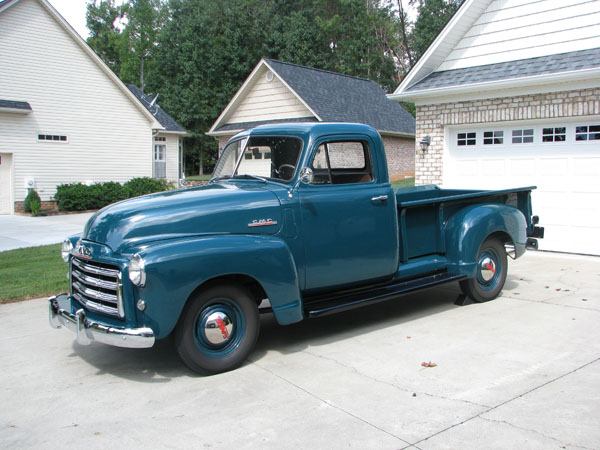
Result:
[175,269]
[466,230]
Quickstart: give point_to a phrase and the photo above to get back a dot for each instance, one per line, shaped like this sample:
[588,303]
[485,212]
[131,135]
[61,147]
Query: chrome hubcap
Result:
[487,268]
[218,328]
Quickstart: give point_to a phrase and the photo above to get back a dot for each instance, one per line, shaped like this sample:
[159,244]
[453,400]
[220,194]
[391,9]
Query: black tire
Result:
[490,275]
[218,329]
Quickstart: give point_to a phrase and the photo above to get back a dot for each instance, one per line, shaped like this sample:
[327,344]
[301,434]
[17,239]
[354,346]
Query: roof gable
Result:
[526,41]
[64,25]
[330,97]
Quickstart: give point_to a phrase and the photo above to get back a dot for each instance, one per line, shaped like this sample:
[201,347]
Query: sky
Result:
[74,12]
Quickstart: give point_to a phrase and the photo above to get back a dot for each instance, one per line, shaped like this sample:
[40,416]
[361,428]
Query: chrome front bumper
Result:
[88,331]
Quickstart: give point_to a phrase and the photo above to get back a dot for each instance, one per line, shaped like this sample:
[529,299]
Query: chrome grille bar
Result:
[97,270]
[112,285]
[97,286]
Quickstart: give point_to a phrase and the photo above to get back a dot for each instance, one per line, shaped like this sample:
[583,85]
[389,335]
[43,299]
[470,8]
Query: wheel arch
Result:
[467,229]
[176,270]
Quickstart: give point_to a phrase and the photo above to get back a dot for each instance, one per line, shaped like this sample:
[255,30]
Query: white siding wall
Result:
[267,100]
[509,30]
[109,137]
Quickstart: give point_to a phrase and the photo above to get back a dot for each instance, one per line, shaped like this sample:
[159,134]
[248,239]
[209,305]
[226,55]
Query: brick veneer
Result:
[431,120]
[400,153]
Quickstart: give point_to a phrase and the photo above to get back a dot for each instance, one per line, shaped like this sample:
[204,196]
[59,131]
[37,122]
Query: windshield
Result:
[272,157]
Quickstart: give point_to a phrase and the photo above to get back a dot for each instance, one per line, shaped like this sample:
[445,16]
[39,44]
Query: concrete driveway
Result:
[520,372]
[25,231]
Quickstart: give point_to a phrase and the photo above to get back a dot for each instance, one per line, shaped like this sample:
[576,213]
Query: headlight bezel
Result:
[137,270]
[65,250]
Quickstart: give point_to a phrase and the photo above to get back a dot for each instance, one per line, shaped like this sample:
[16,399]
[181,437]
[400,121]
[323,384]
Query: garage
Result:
[560,157]
[5,183]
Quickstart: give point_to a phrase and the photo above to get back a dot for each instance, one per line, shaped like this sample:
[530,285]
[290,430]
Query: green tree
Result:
[102,19]
[432,16]
[145,18]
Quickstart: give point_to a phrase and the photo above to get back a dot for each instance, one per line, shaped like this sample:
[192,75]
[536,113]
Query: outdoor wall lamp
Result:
[425,142]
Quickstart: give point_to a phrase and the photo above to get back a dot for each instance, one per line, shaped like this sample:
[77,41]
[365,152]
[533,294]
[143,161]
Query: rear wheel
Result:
[218,329]
[490,274]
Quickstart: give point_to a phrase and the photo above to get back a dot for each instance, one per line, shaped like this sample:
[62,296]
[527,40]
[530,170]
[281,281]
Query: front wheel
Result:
[490,274]
[218,329]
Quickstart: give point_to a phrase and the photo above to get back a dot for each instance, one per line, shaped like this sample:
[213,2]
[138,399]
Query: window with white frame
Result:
[587,133]
[554,134]
[493,137]
[160,160]
[468,138]
[522,136]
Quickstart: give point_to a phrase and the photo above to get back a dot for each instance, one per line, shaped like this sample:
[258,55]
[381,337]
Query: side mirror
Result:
[306,176]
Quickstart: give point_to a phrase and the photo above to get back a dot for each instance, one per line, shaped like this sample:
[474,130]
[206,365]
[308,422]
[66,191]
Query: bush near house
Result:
[32,203]
[80,197]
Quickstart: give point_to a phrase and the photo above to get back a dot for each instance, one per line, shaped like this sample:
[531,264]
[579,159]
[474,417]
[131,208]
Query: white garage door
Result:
[5,182]
[561,158]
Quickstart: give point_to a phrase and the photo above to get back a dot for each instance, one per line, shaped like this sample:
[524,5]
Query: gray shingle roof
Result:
[543,65]
[11,104]
[341,98]
[163,118]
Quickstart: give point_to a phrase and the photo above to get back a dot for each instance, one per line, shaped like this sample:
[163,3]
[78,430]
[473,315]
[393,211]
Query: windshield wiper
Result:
[222,177]
[247,176]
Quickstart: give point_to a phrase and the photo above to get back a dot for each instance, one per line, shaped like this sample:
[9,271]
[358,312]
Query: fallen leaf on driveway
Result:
[428,364]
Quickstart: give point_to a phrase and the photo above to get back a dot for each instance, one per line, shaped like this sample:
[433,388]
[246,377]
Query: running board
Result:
[331,303]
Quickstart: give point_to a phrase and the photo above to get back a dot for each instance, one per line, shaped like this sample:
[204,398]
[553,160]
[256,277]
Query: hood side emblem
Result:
[83,252]
[262,223]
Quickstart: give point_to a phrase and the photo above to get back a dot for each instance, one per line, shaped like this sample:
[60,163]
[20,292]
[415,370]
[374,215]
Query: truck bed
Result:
[424,210]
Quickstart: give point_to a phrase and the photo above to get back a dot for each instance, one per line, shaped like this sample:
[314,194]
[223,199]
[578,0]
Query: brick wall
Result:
[46,206]
[400,153]
[431,120]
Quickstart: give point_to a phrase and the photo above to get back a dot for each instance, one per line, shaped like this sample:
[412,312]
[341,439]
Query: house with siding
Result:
[508,94]
[65,117]
[277,92]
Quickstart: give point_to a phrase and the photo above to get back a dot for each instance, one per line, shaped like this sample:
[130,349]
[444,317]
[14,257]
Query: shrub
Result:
[32,203]
[72,197]
[143,186]
[79,197]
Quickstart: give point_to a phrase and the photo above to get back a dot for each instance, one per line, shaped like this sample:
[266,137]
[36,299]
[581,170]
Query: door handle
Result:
[380,199]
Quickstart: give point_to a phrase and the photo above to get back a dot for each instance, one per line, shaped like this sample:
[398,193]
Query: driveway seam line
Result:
[508,401]
[330,404]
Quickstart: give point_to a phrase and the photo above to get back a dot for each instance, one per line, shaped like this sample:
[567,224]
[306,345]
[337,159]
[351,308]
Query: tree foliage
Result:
[197,53]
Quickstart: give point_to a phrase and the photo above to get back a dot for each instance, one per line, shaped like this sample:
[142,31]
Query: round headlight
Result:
[65,249]
[137,272]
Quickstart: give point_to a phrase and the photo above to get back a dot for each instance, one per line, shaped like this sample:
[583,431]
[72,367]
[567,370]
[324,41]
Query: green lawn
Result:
[199,177]
[406,182]
[32,272]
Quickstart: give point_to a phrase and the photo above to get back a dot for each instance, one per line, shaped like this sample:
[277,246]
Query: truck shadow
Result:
[160,364]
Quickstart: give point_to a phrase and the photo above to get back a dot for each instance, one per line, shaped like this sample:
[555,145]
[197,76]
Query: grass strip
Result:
[31,273]
[405,182]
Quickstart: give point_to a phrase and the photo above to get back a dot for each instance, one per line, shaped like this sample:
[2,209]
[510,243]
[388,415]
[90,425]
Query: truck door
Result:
[349,220]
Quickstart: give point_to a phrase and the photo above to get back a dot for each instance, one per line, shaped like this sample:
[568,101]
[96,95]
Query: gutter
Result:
[495,85]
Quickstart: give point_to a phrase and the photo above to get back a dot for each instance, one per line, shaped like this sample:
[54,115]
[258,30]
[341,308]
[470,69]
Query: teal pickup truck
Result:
[299,220]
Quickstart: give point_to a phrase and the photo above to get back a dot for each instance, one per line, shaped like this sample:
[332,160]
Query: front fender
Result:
[174,269]
[466,230]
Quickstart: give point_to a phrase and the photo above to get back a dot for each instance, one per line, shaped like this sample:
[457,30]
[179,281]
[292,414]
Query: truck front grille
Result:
[97,286]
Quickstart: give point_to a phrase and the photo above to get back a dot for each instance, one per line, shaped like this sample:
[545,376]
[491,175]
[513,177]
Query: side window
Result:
[342,163]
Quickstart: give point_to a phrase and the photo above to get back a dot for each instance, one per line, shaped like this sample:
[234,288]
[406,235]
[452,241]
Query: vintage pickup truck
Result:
[299,218]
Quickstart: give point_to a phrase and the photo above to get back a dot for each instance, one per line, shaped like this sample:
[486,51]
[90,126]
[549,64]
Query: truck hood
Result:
[212,209]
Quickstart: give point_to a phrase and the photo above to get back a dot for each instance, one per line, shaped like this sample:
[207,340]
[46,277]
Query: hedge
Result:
[32,203]
[81,197]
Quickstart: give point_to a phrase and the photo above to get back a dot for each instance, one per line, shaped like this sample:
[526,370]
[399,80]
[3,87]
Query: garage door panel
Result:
[567,176]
